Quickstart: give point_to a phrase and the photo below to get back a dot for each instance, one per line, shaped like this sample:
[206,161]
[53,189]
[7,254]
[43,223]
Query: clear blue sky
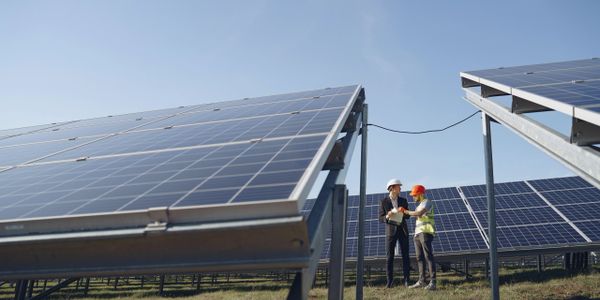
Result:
[64,60]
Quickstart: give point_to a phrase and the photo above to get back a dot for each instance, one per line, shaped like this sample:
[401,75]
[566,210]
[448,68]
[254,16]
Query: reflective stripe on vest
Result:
[425,223]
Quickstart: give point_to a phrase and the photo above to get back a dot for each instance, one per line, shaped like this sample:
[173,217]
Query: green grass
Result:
[516,283]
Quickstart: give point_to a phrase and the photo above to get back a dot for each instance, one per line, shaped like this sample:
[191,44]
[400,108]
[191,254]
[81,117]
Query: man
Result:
[396,229]
[424,233]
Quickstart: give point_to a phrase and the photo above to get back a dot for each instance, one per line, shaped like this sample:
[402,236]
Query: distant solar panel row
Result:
[524,219]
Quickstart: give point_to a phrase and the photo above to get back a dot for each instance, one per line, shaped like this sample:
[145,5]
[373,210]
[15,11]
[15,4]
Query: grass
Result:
[516,283]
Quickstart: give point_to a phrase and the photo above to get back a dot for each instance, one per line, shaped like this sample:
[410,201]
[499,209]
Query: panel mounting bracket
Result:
[335,161]
[159,217]
[584,133]
[520,105]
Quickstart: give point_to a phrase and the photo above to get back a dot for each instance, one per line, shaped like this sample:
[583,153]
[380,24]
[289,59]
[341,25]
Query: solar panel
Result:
[571,87]
[510,201]
[15,155]
[538,235]
[562,183]
[529,216]
[524,219]
[461,241]
[217,164]
[499,189]
[455,227]
[7,133]
[304,123]
[590,228]
[576,196]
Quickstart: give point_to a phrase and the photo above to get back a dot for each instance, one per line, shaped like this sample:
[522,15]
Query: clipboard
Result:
[396,218]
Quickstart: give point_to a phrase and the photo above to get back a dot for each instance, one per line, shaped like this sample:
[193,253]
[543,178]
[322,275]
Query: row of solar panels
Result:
[536,214]
[248,150]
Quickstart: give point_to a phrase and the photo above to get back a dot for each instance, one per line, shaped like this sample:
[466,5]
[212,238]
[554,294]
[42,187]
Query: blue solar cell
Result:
[576,94]
[538,235]
[514,201]
[529,216]
[581,211]
[449,206]
[562,183]
[590,228]
[10,156]
[459,221]
[199,176]
[250,110]
[577,196]
[276,192]
[499,189]
[207,134]
[8,133]
[458,241]
[521,70]
[441,194]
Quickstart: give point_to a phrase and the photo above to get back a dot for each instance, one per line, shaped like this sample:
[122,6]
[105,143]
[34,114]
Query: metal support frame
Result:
[540,263]
[491,203]
[338,242]
[584,133]
[48,292]
[319,220]
[583,160]
[21,290]
[361,206]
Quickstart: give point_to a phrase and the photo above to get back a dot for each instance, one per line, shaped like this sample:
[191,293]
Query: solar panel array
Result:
[248,150]
[532,214]
[572,87]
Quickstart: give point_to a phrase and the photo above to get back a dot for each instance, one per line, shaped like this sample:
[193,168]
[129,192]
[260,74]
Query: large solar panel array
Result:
[248,150]
[533,214]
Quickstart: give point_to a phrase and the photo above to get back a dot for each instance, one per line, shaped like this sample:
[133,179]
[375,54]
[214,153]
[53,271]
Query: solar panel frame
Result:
[189,214]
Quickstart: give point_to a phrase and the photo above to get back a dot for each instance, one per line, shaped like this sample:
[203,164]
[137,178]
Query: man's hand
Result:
[402,210]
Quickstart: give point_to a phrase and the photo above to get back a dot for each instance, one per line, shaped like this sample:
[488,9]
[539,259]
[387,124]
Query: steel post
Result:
[491,204]
[361,210]
[338,242]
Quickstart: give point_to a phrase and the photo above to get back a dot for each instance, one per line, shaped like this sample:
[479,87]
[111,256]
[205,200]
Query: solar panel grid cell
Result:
[538,235]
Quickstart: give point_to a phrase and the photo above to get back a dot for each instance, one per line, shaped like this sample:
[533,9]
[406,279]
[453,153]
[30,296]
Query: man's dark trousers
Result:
[395,233]
[400,236]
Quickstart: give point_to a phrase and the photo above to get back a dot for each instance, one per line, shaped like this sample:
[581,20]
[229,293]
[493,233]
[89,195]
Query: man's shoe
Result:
[388,285]
[405,283]
[417,285]
[430,286]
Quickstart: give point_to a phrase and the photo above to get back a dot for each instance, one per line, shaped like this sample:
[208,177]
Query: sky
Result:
[66,60]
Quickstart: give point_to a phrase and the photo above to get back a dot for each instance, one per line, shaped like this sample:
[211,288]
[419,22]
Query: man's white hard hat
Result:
[393,182]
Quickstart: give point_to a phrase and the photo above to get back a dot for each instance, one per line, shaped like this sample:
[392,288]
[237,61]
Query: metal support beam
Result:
[491,204]
[361,206]
[584,161]
[161,286]
[53,289]
[338,242]
[540,263]
[21,290]
[87,286]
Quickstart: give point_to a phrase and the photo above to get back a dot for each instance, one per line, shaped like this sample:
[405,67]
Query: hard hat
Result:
[393,182]
[417,190]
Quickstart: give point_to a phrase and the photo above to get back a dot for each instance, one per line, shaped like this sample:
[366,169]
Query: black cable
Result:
[425,131]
